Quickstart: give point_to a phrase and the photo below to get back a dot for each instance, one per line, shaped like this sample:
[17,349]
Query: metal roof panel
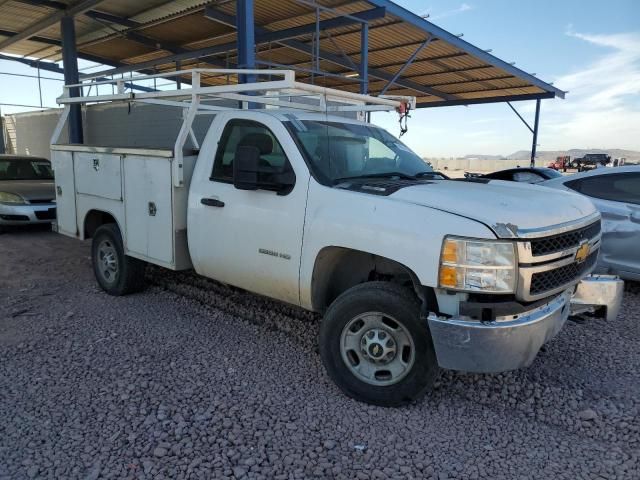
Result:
[448,65]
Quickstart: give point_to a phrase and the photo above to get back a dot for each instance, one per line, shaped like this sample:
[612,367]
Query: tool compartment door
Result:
[65,192]
[99,174]
[148,208]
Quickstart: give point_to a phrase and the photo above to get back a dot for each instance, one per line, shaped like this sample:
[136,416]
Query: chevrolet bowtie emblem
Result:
[583,252]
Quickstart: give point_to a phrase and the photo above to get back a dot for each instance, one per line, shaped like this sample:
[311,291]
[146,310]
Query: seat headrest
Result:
[262,141]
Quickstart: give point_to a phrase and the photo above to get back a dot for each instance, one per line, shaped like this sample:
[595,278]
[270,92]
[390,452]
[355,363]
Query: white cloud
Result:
[602,108]
[464,7]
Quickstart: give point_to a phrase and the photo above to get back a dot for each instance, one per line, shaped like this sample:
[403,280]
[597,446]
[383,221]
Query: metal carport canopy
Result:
[407,55]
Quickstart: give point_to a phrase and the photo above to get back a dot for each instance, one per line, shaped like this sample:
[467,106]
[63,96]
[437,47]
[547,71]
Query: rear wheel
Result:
[375,347]
[117,273]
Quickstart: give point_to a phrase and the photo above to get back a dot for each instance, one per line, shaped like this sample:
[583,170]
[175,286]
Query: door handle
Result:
[211,202]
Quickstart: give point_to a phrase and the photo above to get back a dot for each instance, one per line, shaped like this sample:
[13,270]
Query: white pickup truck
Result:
[411,271]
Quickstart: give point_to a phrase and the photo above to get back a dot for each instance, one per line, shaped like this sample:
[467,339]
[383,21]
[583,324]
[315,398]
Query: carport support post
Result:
[364,59]
[245,32]
[246,38]
[70,64]
[535,134]
[2,144]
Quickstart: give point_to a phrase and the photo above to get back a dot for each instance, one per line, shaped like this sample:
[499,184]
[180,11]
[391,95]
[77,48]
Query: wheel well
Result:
[95,219]
[337,269]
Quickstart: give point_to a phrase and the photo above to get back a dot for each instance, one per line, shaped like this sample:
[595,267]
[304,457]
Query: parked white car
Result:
[616,194]
[411,271]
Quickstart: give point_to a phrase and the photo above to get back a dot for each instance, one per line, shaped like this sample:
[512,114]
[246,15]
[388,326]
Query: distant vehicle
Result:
[590,161]
[27,191]
[616,193]
[521,174]
[560,163]
[617,162]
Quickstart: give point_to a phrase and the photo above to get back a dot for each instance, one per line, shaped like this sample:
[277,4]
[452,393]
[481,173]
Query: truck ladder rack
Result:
[280,91]
[271,92]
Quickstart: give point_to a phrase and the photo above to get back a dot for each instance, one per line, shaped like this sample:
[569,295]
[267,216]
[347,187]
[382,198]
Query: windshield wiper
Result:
[401,175]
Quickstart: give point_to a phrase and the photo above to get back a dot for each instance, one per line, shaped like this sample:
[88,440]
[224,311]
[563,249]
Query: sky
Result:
[590,48]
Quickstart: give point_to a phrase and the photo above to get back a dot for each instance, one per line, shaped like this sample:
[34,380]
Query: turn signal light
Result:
[448,276]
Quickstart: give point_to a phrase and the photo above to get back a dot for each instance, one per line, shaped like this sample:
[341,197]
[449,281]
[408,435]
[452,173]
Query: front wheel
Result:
[117,273]
[375,347]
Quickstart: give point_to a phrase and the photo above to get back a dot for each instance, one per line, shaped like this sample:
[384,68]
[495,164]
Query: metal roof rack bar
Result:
[286,85]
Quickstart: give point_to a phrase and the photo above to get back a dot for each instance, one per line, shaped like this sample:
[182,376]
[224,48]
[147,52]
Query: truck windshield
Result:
[342,151]
[25,169]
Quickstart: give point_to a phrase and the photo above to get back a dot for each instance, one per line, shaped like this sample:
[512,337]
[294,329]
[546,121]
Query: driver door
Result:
[248,238]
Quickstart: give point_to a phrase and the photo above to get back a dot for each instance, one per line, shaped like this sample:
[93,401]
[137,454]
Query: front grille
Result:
[41,200]
[46,214]
[545,281]
[563,241]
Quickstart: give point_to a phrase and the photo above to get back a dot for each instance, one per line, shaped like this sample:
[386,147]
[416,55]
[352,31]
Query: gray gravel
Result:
[192,379]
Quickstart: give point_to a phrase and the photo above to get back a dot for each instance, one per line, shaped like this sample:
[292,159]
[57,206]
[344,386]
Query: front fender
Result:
[404,232]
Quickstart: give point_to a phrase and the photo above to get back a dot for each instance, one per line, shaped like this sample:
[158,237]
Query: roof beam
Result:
[444,72]
[45,3]
[333,58]
[47,22]
[283,37]
[413,56]
[96,15]
[395,64]
[109,18]
[262,36]
[477,101]
[57,43]
[54,68]
[458,42]
[267,36]
[48,41]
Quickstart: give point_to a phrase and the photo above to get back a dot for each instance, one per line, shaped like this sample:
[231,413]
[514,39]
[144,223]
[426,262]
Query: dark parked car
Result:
[27,191]
[590,161]
[523,174]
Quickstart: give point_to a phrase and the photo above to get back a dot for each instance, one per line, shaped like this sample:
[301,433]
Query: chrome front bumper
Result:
[500,345]
[15,215]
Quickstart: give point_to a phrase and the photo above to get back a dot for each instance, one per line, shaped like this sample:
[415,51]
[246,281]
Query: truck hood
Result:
[508,208]
[30,189]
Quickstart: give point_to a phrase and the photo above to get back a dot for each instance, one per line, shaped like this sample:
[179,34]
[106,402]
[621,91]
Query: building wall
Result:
[31,132]
[478,164]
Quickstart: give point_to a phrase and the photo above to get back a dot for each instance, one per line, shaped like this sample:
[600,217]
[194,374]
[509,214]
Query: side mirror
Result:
[245,168]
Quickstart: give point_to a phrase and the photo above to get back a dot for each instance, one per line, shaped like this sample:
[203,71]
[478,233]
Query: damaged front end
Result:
[599,295]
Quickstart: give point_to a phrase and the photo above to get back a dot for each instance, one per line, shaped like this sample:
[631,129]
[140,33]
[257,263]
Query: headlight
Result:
[477,265]
[12,198]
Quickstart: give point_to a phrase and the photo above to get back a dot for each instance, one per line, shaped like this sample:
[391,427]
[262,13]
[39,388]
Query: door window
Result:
[621,187]
[243,133]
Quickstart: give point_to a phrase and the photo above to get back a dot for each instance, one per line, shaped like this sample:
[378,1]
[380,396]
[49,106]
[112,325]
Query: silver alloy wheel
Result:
[107,261]
[377,348]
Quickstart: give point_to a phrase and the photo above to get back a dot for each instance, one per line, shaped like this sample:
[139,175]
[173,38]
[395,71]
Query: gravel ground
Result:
[192,379]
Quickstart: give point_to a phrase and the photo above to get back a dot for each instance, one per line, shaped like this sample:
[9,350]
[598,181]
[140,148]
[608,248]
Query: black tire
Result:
[128,276]
[402,306]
